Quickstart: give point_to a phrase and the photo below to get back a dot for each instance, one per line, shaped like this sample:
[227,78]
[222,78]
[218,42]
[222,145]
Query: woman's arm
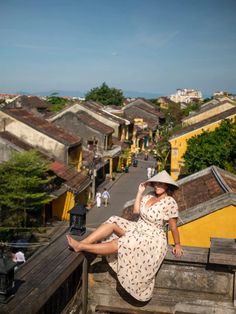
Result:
[177,250]
[137,202]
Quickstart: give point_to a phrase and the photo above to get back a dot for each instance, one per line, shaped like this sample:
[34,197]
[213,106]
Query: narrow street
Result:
[123,189]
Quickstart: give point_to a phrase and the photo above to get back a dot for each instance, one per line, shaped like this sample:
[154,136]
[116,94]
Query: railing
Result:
[52,281]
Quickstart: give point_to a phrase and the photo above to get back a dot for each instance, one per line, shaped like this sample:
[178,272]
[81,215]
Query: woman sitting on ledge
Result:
[135,250]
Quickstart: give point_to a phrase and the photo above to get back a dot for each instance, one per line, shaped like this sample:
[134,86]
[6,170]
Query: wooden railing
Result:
[50,281]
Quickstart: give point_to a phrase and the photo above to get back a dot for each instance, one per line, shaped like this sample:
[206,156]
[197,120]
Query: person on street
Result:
[105,197]
[98,199]
[149,172]
[153,172]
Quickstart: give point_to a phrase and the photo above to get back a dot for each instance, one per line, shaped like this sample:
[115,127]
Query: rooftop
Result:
[74,180]
[98,109]
[221,116]
[94,123]
[30,102]
[210,105]
[42,126]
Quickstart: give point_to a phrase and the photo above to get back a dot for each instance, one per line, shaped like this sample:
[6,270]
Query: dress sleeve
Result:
[171,210]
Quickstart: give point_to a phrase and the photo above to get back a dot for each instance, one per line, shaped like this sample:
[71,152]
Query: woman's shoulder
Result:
[171,199]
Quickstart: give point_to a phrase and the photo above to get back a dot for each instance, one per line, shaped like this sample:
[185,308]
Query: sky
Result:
[151,46]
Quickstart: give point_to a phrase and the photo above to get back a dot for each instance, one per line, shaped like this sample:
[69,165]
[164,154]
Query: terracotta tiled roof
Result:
[43,126]
[31,102]
[142,103]
[204,186]
[221,116]
[197,191]
[73,179]
[133,113]
[95,107]
[94,123]
[230,181]
[152,111]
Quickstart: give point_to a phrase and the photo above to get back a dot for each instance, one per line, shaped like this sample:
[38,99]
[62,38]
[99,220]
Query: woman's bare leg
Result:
[99,248]
[103,232]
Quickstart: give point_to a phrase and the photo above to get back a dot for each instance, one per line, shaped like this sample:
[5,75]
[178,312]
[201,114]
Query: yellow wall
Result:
[207,114]
[65,202]
[221,223]
[75,157]
[62,204]
[179,146]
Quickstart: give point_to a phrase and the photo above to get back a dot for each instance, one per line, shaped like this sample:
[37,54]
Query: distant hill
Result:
[82,94]
[142,94]
[60,93]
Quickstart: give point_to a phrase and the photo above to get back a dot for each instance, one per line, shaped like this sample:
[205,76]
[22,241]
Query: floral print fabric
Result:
[143,247]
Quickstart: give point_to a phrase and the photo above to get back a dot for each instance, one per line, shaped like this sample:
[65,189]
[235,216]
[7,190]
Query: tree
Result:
[57,103]
[194,106]
[173,115]
[212,148]
[162,154]
[106,95]
[23,187]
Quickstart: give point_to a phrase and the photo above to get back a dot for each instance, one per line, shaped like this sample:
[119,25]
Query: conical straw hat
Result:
[163,177]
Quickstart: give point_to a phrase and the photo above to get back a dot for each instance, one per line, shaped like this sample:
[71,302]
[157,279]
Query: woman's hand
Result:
[142,187]
[177,250]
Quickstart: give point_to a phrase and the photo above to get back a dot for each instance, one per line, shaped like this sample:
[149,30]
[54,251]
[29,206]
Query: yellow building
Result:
[207,206]
[210,109]
[75,188]
[178,141]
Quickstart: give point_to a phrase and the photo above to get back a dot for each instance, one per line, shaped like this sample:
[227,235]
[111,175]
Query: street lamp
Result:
[7,282]
[78,220]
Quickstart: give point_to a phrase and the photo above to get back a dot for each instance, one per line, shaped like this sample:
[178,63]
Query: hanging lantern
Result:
[78,220]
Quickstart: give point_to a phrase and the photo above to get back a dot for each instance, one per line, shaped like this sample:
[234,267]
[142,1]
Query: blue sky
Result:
[150,46]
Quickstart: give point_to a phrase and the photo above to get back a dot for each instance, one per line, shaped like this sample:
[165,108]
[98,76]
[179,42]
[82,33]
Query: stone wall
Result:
[189,285]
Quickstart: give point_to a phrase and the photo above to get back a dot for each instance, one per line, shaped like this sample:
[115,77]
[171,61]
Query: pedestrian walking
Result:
[149,172]
[105,197]
[98,199]
[153,171]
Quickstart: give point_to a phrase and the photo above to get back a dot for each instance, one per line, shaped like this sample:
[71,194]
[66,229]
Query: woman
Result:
[98,199]
[136,249]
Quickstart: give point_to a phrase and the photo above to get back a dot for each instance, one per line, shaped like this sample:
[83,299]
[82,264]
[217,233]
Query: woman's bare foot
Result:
[73,244]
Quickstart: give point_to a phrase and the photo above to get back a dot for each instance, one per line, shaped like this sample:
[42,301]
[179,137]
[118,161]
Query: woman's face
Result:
[159,188]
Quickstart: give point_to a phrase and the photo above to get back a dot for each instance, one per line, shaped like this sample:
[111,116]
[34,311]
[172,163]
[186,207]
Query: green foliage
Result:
[173,115]
[190,108]
[106,95]
[57,103]
[162,154]
[212,148]
[154,101]
[23,187]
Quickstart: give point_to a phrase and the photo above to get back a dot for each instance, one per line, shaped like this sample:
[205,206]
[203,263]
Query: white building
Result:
[186,95]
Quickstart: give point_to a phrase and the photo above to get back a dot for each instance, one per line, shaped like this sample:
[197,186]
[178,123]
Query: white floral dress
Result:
[143,247]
